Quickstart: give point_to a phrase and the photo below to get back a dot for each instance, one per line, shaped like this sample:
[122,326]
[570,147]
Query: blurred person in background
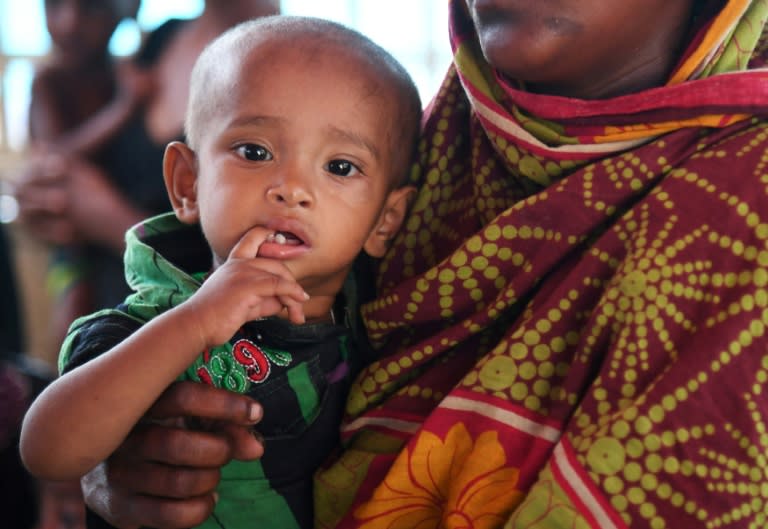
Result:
[81,96]
[102,178]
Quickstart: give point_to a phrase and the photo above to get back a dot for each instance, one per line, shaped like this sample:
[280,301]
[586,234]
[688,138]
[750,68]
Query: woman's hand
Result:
[165,476]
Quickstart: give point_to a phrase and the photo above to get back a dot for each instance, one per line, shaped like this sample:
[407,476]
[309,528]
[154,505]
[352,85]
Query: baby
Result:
[300,133]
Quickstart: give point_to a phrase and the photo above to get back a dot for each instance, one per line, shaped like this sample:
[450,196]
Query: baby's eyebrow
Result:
[245,121]
[357,139]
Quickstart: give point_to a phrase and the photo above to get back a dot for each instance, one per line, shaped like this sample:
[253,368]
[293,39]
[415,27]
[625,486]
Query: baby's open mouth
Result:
[285,238]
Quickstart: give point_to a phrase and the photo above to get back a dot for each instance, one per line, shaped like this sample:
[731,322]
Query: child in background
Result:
[300,133]
[78,101]
[80,98]
[80,80]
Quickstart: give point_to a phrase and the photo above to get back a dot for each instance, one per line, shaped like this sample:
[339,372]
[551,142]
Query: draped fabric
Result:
[572,323]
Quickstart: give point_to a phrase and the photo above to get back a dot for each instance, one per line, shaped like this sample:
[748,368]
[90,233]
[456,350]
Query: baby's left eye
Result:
[342,168]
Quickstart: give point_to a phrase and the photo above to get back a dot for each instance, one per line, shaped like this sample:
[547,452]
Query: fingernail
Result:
[254,412]
[306,296]
[215,497]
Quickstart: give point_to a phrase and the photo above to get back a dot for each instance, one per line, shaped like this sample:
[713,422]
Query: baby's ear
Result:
[390,220]
[180,175]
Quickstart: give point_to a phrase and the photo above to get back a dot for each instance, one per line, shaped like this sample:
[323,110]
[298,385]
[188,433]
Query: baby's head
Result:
[306,128]
[303,40]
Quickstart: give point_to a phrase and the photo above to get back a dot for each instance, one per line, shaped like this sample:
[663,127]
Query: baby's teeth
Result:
[280,238]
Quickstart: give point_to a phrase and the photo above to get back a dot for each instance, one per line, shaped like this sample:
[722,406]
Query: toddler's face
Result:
[302,146]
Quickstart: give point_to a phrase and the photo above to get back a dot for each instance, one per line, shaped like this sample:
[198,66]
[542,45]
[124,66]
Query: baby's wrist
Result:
[191,324]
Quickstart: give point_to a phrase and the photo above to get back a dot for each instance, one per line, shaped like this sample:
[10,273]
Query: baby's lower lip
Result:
[274,250]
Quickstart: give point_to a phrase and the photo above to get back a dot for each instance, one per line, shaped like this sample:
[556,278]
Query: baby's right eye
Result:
[254,152]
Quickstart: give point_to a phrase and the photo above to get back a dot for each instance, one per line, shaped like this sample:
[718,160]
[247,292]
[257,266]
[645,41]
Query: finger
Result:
[169,513]
[177,446]
[44,199]
[288,291]
[272,266]
[278,294]
[246,443]
[42,170]
[248,245]
[155,479]
[277,281]
[295,309]
[191,399]
[54,166]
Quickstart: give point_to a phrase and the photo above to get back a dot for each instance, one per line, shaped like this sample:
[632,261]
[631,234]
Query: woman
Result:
[571,326]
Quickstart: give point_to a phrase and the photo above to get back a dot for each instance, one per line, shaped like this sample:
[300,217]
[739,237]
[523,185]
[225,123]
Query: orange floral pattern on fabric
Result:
[451,483]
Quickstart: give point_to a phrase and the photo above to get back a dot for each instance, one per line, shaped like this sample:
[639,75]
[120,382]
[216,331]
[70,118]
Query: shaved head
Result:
[225,61]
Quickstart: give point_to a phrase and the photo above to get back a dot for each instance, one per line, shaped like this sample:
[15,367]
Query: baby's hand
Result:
[245,288]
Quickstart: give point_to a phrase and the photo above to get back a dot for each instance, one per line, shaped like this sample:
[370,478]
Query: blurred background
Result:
[414,31]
